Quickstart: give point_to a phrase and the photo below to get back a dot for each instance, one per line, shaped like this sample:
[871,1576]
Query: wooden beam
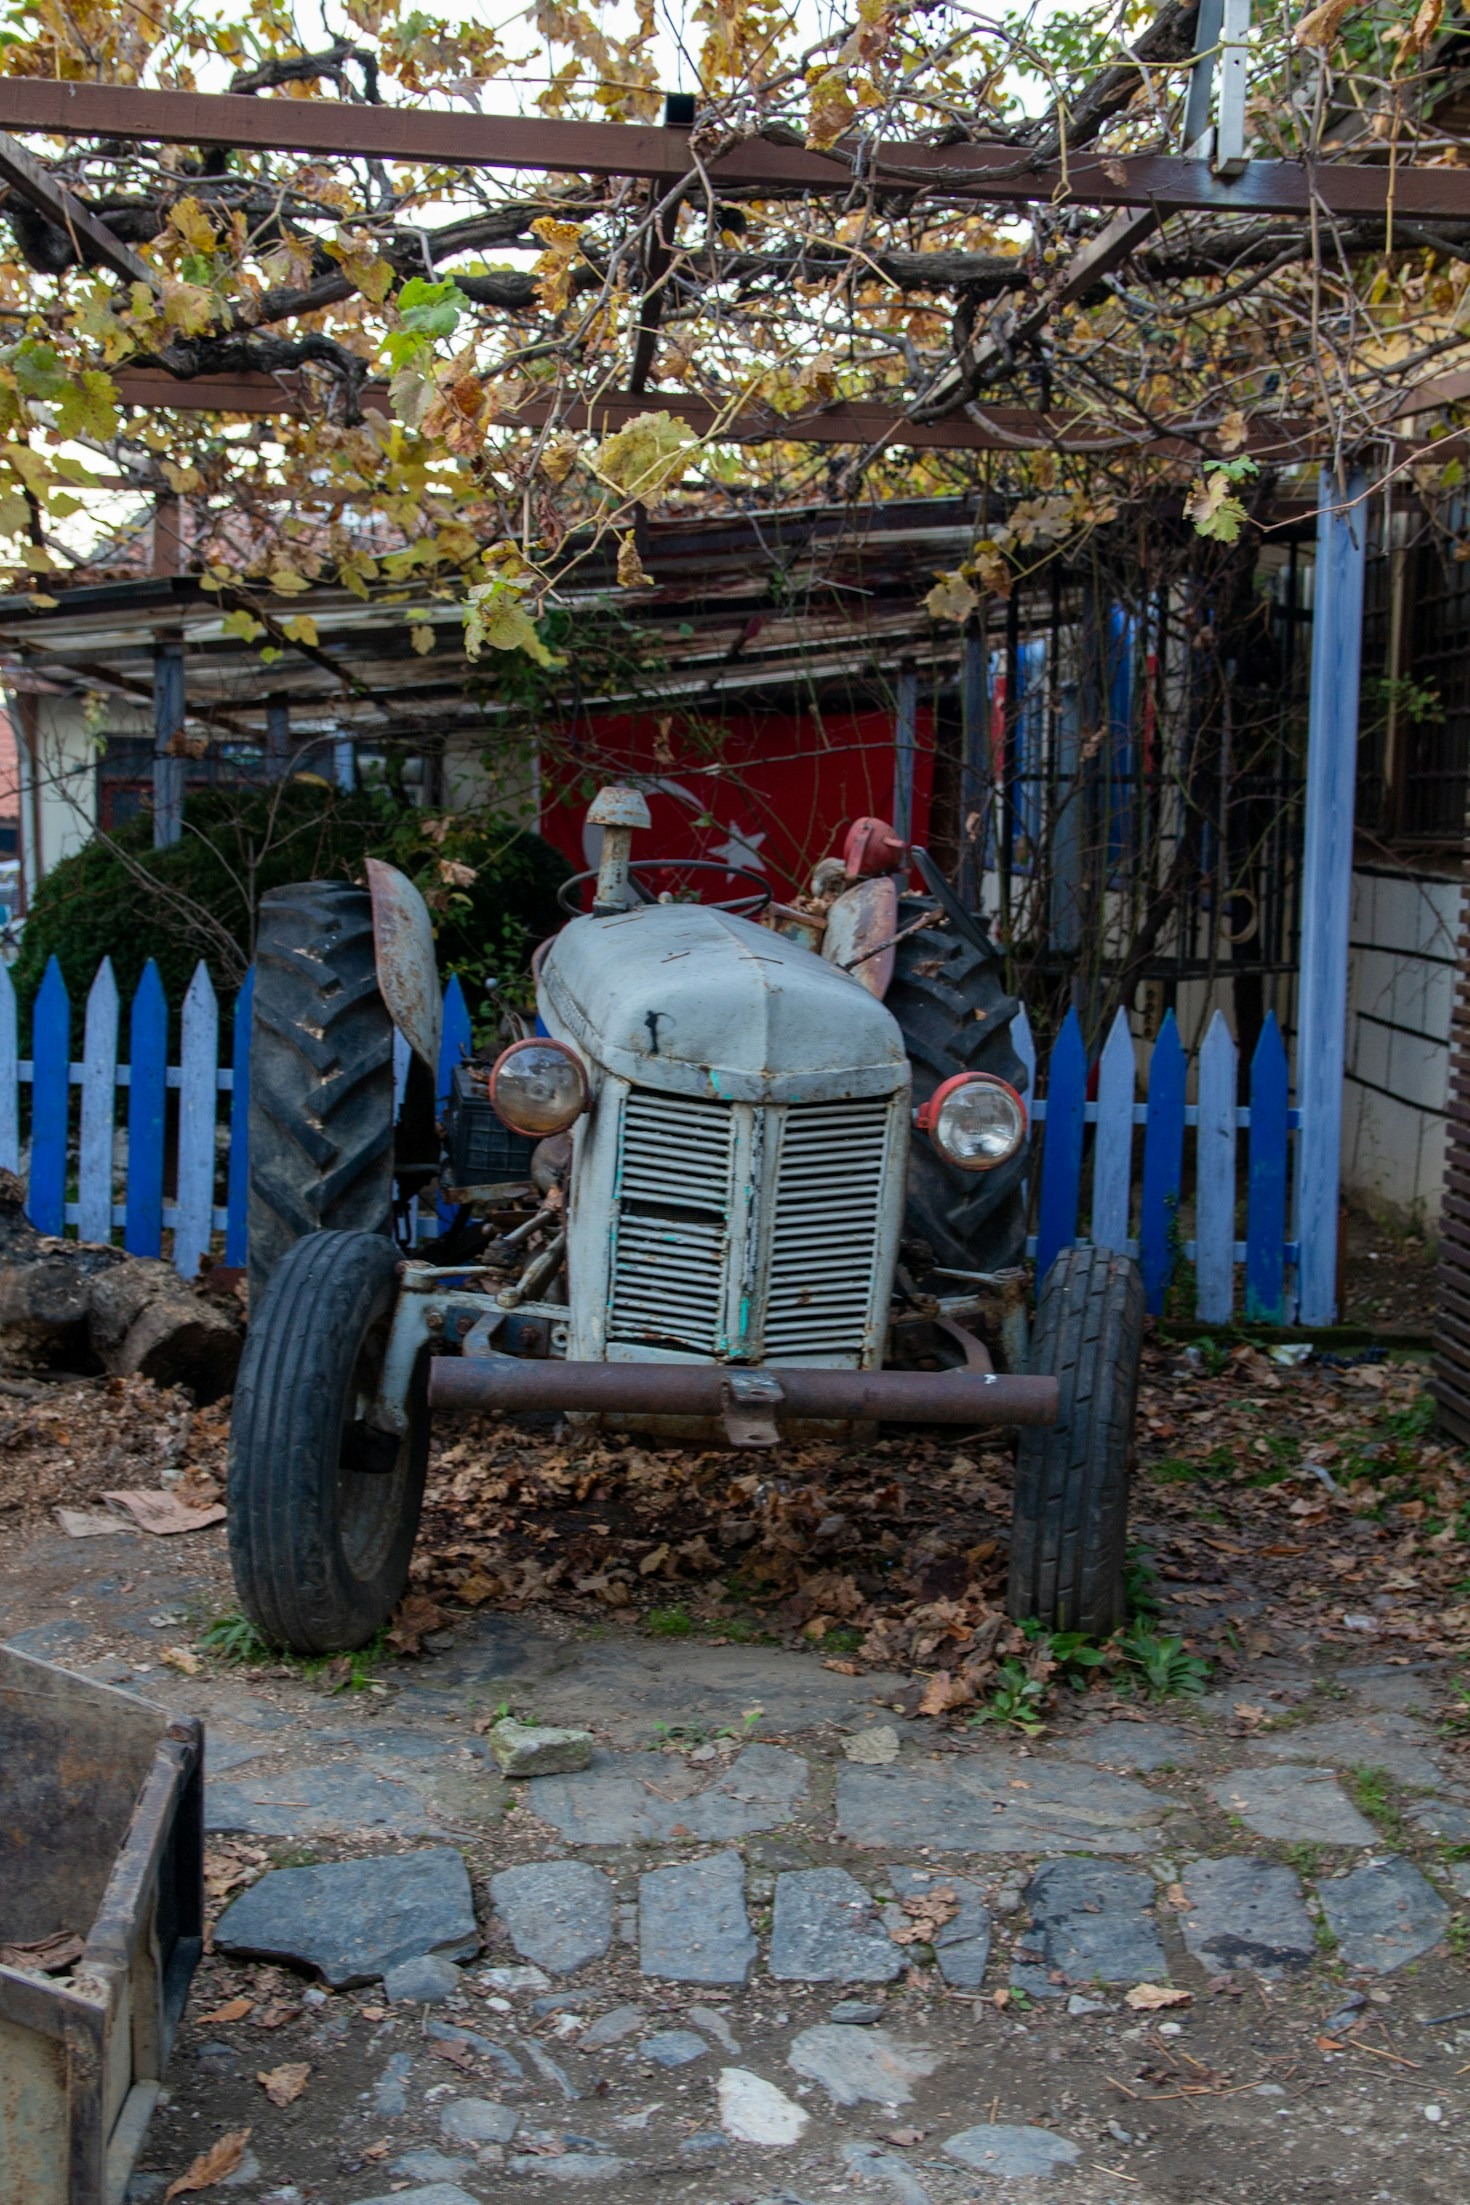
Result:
[981,169]
[93,240]
[987,429]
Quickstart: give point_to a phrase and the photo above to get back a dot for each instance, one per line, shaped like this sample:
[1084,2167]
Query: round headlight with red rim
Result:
[538,1086]
[975,1120]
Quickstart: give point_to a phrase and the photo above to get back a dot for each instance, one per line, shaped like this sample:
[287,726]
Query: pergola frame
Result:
[1147,188]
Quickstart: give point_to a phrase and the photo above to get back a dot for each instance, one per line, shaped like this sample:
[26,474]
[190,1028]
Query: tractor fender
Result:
[403,949]
[861,926]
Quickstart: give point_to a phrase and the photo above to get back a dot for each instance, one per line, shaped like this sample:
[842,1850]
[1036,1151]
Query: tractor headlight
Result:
[538,1087]
[975,1120]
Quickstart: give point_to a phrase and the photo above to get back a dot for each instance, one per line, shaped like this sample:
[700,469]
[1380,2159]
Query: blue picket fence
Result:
[1136,1153]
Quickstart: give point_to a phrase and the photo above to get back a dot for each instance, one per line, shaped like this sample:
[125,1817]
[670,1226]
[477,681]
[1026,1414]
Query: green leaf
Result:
[1213,510]
[496,619]
[88,406]
[38,371]
[433,308]
[242,624]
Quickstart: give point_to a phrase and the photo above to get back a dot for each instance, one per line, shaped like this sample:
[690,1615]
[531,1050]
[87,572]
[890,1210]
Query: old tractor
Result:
[757,1168]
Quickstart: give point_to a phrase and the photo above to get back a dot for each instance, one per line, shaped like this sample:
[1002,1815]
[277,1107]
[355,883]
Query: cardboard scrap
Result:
[163,1513]
[89,1523]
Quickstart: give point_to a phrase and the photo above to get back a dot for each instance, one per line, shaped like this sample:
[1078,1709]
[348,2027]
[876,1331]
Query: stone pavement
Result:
[1175,1953]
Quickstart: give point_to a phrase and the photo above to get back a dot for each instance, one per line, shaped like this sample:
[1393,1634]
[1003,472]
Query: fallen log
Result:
[127,1315]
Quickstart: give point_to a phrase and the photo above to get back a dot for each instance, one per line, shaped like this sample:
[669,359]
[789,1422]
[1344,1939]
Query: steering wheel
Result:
[739,906]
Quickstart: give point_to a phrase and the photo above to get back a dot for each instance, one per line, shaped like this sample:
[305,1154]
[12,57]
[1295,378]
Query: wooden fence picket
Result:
[1061,1155]
[1265,1225]
[9,1076]
[147,1099]
[1112,1155]
[198,1091]
[1024,1044]
[454,1042]
[1056,1097]
[1214,1200]
[99,1108]
[50,1099]
[1163,1164]
[237,1186]
[454,1038]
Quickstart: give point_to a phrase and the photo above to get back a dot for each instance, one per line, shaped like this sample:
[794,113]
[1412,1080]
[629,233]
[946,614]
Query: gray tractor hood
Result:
[696,1002]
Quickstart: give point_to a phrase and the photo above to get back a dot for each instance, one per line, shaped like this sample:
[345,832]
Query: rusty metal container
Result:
[101,1835]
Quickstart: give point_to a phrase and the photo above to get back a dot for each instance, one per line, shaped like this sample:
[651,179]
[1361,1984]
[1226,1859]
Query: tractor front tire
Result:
[323,1509]
[951,1002]
[1069,1529]
[321,1074]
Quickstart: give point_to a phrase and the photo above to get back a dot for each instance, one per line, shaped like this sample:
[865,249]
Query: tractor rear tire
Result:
[323,1509]
[1069,1528]
[321,1074]
[951,1002]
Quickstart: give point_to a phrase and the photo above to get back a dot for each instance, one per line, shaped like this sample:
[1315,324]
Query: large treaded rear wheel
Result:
[1069,1530]
[321,1073]
[323,1509]
[951,1002]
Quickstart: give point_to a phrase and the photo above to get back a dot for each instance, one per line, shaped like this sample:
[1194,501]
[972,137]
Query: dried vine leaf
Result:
[211,2166]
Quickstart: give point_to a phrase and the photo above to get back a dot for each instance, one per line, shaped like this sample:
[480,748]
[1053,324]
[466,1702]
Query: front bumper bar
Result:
[749,1400]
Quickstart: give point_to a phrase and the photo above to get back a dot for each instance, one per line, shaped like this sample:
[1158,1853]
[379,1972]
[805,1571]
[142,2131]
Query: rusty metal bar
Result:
[980,170]
[697,1389]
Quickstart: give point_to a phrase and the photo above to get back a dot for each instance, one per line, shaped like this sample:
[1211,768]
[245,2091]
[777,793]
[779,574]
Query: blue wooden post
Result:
[50,1094]
[905,739]
[1214,1210]
[1061,1156]
[9,1076]
[1265,1223]
[147,1086]
[237,1184]
[1163,1163]
[168,729]
[975,766]
[1327,883]
[454,1042]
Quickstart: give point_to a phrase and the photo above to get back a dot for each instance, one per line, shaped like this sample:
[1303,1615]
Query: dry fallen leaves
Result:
[284,2085]
[221,2159]
[928,1912]
[1152,1998]
[415,1616]
[47,1955]
[233,2009]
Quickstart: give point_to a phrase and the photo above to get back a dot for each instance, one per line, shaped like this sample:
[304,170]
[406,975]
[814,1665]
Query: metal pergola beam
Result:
[980,169]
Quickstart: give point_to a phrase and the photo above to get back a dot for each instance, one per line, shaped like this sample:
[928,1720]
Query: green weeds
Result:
[234,1639]
[1016,1701]
[1372,1794]
[1163,1666]
[668,1623]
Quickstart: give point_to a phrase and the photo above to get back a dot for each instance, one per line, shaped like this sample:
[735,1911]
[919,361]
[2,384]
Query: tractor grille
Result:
[829,1193]
[673,1222]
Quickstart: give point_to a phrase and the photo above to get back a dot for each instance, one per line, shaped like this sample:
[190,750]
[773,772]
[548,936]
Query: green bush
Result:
[491,887]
